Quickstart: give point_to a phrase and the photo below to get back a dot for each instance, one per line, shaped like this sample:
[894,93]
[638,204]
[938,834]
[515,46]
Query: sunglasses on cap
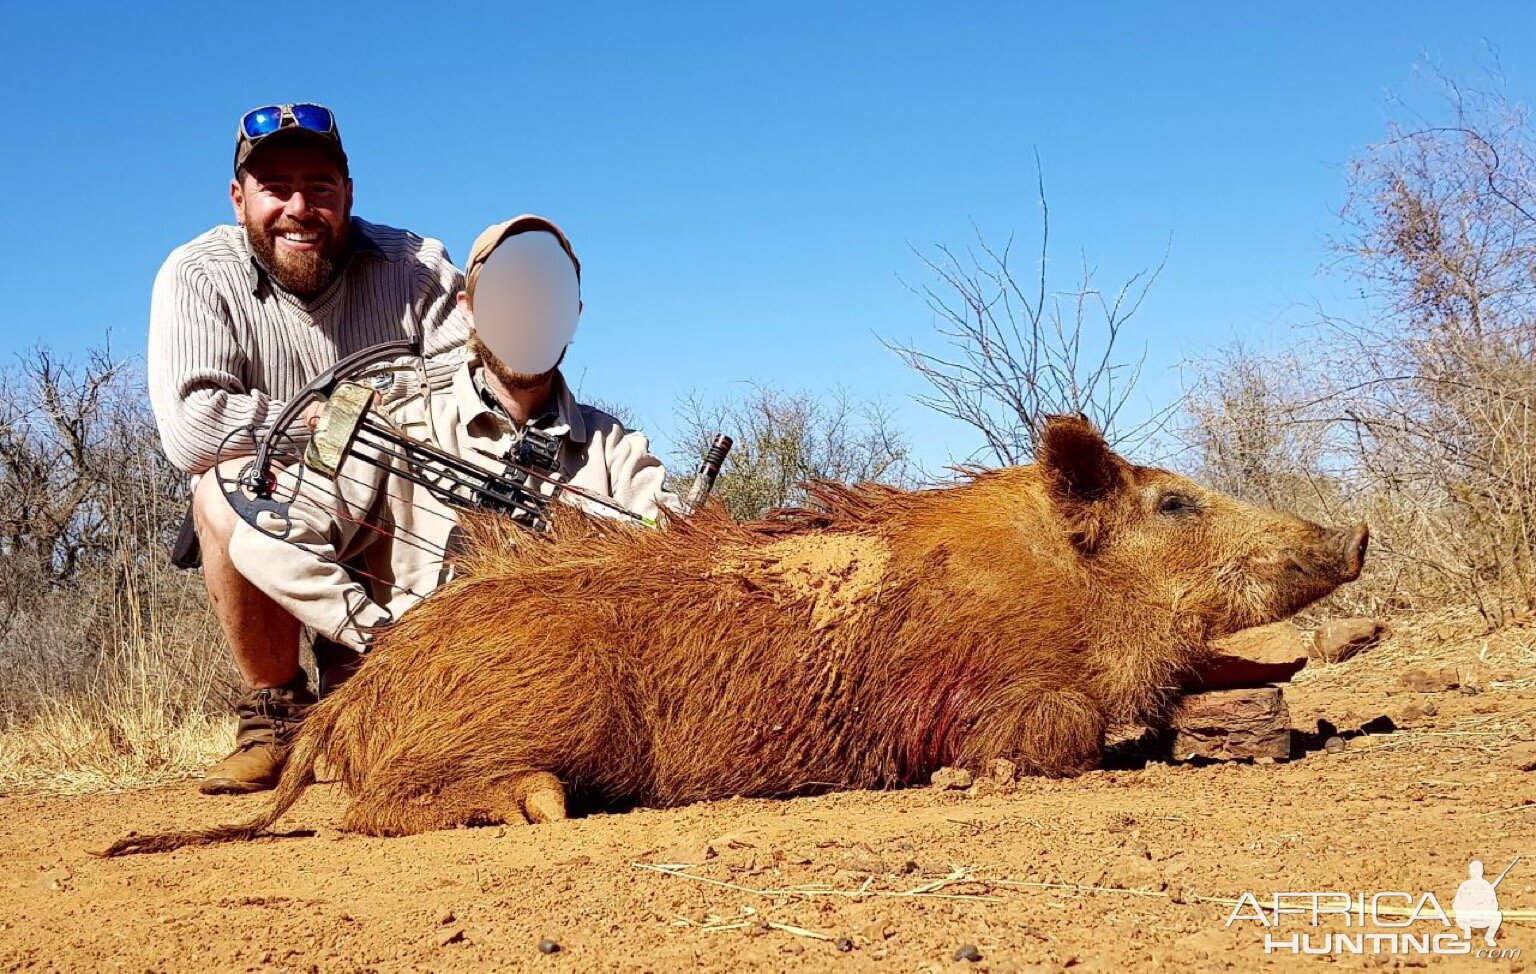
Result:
[260,122]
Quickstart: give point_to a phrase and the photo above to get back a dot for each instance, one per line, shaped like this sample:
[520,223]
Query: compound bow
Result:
[262,499]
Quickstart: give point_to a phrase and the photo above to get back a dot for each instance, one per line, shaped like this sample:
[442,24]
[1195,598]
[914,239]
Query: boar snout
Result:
[1337,557]
[1354,544]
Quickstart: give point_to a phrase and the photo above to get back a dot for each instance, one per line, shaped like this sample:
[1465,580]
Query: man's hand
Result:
[311,414]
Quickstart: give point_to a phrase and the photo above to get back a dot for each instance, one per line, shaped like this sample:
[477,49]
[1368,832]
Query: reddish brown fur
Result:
[1018,615]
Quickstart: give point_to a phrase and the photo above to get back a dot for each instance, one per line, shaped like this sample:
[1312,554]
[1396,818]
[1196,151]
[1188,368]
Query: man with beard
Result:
[241,318]
[523,300]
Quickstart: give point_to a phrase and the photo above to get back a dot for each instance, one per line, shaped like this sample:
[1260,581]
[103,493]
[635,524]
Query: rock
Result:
[952,779]
[1334,745]
[1416,711]
[968,952]
[1522,755]
[1342,639]
[1252,657]
[1421,680]
[453,935]
[1227,725]
[1002,771]
[844,944]
[547,946]
[877,931]
[687,854]
[985,787]
[1379,725]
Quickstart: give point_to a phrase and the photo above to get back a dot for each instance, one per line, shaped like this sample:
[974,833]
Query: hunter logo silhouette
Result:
[1476,905]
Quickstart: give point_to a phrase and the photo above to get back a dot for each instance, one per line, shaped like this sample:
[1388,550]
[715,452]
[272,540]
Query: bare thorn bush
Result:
[1420,415]
[783,439]
[1015,347]
[111,668]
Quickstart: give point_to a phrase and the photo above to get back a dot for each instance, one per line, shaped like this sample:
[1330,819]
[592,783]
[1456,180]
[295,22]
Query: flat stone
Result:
[1342,639]
[1252,657]
[1230,725]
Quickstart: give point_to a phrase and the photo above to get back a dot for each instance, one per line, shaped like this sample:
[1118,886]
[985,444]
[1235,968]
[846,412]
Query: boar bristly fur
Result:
[863,642]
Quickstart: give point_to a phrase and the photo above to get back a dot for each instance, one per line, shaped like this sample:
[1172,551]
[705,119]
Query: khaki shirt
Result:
[393,532]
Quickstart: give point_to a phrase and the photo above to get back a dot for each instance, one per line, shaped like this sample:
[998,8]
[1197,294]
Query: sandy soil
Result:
[781,883]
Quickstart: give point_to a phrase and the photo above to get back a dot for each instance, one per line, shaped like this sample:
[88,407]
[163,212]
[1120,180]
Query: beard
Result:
[518,381]
[303,273]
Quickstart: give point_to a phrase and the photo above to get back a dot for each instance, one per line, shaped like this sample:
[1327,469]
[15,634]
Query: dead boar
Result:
[860,644]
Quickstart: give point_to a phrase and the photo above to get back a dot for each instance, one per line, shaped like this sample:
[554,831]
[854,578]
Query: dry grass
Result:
[112,673]
[82,748]
[148,705]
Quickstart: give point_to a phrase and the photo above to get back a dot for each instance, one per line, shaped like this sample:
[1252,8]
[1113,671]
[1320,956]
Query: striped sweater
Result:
[227,346]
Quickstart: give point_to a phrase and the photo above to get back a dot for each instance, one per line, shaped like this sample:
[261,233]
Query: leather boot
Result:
[335,663]
[268,719]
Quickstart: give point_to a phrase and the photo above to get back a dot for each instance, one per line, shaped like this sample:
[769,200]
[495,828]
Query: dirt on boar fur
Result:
[861,644]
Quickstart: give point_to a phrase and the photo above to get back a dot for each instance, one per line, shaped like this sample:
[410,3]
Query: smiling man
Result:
[241,318]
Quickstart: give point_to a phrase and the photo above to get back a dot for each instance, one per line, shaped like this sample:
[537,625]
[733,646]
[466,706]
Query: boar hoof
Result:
[542,797]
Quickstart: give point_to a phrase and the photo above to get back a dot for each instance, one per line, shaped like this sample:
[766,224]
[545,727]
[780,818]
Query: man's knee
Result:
[211,513]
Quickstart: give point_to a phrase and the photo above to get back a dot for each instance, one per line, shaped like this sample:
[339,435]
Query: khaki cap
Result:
[492,236]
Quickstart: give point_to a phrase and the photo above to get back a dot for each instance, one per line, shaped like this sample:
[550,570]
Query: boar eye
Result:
[1177,504]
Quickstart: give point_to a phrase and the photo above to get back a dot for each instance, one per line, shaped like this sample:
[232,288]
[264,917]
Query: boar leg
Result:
[516,799]
[1057,733]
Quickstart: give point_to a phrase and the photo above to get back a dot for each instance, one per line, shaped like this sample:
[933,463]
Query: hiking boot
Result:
[335,663]
[268,719]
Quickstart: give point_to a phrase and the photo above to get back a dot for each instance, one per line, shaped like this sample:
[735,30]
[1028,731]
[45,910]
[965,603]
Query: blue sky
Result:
[745,183]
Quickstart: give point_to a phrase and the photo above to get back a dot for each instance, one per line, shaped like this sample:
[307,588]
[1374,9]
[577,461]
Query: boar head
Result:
[1218,564]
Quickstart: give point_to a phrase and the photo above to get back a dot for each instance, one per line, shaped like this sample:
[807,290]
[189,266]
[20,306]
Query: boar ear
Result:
[1078,464]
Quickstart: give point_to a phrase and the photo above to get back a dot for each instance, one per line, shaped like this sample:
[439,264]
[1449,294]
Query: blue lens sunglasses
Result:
[261,122]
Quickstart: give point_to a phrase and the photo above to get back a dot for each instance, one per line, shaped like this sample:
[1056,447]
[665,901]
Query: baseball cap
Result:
[492,236]
[271,124]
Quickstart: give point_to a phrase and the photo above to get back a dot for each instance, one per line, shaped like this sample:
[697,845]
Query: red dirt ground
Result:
[788,879]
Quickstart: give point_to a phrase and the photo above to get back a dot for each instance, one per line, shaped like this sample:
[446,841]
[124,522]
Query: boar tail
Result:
[298,775]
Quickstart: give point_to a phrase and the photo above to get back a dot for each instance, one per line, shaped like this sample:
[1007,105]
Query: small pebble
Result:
[1334,745]
[968,952]
[845,944]
[547,946]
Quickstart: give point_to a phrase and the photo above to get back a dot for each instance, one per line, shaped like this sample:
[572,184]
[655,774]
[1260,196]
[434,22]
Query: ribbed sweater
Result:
[228,346]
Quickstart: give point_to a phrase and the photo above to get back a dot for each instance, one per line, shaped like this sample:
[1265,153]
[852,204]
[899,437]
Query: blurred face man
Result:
[295,204]
[524,303]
